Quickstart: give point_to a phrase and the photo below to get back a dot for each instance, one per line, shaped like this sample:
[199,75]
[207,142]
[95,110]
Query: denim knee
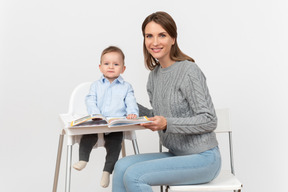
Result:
[128,176]
[118,165]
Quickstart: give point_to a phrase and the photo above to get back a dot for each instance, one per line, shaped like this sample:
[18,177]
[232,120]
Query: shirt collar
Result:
[118,80]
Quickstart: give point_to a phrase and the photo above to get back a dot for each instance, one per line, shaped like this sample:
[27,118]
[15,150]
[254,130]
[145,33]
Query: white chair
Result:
[77,108]
[226,180]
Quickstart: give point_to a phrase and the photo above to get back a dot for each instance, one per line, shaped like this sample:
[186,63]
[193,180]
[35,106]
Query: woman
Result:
[183,114]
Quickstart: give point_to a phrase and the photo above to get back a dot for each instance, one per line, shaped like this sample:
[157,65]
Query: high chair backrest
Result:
[77,100]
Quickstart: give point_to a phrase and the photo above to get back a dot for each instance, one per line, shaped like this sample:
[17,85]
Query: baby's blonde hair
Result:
[112,49]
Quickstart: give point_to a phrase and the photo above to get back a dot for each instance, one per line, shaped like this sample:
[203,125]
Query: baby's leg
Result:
[85,147]
[113,147]
[80,165]
[105,180]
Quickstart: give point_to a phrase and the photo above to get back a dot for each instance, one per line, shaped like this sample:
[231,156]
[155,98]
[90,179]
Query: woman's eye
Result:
[148,36]
[162,35]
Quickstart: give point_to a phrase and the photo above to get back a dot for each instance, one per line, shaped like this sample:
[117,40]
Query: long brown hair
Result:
[167,22]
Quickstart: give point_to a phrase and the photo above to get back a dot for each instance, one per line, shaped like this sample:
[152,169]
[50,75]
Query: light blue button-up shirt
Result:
[114,99]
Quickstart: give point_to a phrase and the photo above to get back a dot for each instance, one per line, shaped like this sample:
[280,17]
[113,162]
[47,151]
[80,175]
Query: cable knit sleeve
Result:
[201,117]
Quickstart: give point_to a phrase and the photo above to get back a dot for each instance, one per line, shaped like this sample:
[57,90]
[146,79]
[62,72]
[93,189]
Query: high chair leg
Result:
[58,161]
[123,149]
[68,168]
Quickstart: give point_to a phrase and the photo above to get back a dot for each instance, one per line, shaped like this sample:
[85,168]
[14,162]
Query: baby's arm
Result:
[131,104]
[91,100]
[131,116]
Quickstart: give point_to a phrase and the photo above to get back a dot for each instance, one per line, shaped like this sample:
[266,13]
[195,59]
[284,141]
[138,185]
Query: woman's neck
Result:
[166,63]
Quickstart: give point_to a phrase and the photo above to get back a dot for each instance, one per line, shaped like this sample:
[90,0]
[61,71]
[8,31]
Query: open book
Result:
[99,120]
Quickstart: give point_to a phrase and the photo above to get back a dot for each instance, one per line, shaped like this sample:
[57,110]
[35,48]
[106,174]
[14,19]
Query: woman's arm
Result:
[195,91]
[143,111]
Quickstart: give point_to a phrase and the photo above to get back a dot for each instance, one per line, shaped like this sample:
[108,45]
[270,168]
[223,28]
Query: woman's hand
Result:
[159,123]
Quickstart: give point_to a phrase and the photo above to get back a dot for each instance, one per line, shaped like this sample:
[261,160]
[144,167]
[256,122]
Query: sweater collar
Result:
[170,68]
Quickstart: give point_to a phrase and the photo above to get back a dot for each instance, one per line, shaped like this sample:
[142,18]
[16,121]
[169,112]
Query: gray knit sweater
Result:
[180,94]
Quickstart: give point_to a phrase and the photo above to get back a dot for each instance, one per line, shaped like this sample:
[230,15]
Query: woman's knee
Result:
[121,165]
[129,176]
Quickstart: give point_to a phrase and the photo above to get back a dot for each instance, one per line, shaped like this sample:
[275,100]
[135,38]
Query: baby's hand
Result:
[131,116]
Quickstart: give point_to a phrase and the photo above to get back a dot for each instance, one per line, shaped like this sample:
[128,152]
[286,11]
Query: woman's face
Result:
[158,42]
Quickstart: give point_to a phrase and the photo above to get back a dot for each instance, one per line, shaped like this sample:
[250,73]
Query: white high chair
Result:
[226,180]
[76,109]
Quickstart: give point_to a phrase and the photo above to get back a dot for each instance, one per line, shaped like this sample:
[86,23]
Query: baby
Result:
[109,96]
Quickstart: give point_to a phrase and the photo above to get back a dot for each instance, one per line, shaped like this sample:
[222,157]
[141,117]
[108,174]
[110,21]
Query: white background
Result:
[49,47]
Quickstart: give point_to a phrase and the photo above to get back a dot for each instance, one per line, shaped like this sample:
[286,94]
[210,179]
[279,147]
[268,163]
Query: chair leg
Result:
[68,168]
[58,161]
[123,149]
[135,146]
[160,150]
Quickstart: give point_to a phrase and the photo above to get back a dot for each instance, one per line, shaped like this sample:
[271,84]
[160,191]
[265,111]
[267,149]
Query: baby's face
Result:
[112,65]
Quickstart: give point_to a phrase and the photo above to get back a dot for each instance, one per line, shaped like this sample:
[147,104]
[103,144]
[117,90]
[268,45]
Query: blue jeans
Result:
[137,173]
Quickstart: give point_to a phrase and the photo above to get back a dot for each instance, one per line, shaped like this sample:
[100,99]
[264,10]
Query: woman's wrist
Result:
[164,124]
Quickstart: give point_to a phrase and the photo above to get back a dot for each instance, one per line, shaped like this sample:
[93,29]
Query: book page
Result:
[91,123]
[87,118]
[121,121]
